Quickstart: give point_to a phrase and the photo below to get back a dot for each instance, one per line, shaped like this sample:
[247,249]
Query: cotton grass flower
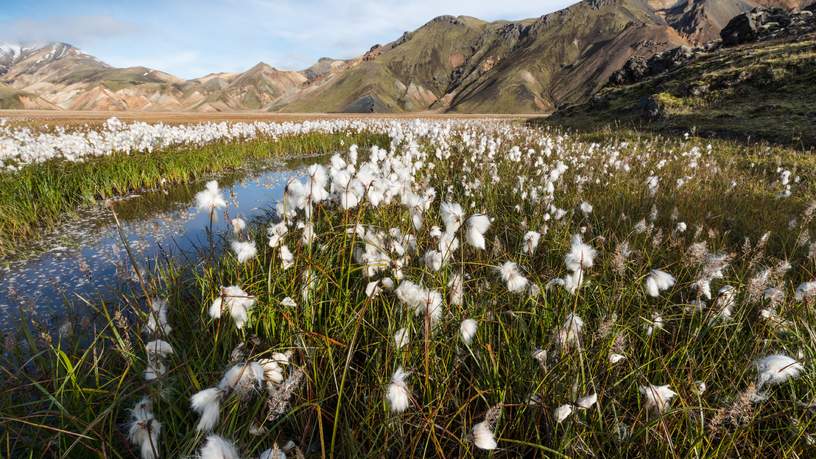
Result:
[477,226]
[586,402]
[483,436]
[398,395]
[658,281]
[273,453]
[776,369]
[288,302]
[569,335]
[244,251]
[235,301]
[456,289]
[242,378]
[805,291]
[373,289]
[512,277]
[211,198]
[207,403]
[452,216]
[615,358]
[562,413]
[581,256]
[421,300]
[467,330]
[238,225]
[401,338]
[144,429]
[287,259]
[277,233]
[216,447]
[433,260]
[531,239]
[658,398]
[157,318]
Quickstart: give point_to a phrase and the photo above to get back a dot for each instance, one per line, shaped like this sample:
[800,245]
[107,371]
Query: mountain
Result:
[450,64]
[761,87]
[701,20]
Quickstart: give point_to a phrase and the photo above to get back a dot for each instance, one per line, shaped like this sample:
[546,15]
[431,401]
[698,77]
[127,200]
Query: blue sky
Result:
[190,38]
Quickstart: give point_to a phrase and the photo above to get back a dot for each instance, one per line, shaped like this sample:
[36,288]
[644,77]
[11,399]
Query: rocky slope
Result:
[456,64]
[757,84]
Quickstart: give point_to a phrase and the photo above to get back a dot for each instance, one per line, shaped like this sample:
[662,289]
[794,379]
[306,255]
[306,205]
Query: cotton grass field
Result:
[457,288]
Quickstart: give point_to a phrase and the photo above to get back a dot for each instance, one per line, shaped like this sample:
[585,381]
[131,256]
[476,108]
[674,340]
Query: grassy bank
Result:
[40,195]
[72,396]
[759,91]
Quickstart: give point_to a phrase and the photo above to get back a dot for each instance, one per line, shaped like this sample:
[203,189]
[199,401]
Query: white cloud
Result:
[78,30]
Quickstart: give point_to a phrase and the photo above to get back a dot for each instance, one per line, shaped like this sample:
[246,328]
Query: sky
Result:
[191,38]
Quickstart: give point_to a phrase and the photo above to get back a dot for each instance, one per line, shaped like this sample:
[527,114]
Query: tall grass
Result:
[70,396]
[39,196]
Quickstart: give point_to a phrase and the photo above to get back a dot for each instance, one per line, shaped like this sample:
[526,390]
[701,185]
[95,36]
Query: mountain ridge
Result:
[449,64]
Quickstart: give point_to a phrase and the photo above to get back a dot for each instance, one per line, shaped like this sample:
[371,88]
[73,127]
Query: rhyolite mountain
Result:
[758,85]
[450,64]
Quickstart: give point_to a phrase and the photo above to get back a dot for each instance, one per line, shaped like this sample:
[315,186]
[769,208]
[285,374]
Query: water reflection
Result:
[85,257]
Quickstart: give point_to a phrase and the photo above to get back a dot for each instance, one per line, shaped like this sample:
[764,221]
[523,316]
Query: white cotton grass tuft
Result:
[288,302]
[401,338]
[157,318]
[158,348]
[658,281]
[477,226]
[397,393]
[657,323]
[433,260]
[421,300]
[238,225]
[776,369]
[244,250]
[512,277]
[273,453]
[581,256]
[272,370]
[373,289]
[569,335]
[805,291]
[207,403]
[483,436]
[144,429]
[456,289]
[234,300]
[562,412]
[242,378]
[726,300]
[615,358]
[658,398]
[587,401]
[467,330]
[287,259]
[531,240]
[584,403]
[216,447]
[277,233]
[452,216]
[211,198]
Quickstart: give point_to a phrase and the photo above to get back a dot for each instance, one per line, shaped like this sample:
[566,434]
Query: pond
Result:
[84,260]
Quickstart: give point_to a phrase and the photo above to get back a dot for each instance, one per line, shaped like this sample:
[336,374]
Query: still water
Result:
[84,258]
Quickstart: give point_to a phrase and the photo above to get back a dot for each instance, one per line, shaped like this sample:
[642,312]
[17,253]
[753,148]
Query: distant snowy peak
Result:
[32,56]
[11,53]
